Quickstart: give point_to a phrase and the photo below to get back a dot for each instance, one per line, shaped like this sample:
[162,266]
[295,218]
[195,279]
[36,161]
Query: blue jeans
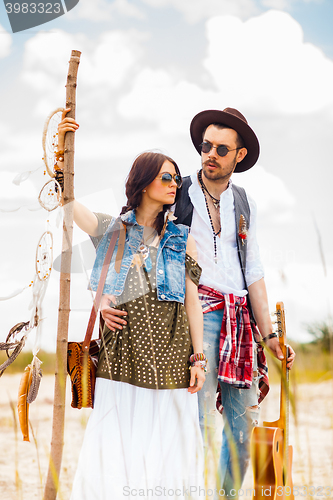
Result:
[238,415]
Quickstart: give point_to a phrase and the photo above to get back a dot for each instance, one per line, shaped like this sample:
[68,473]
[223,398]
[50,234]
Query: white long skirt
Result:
[142,443]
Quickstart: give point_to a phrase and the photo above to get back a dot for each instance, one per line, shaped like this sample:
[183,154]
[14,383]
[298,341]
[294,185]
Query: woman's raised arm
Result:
[83,217]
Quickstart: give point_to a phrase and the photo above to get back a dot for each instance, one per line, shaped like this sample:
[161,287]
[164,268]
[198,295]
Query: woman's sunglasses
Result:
[221,150]
[166,178]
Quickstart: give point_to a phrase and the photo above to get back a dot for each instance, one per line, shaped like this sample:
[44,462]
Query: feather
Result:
[22,405]
[11,343]
[242,224]
[35,380]
[17,328]
[15,353]
[242,229]
[168,216]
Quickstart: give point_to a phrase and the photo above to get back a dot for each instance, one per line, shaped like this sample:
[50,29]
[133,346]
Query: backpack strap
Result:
[242,207]
[184,207]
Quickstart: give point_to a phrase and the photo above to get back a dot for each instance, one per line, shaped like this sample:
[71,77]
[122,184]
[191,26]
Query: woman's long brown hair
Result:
[144,170]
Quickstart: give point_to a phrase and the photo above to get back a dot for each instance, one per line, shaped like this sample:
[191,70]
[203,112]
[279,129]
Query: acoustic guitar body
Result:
[271,454]
[267,462]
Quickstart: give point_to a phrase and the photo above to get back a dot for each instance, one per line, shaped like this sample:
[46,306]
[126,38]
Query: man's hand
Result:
[274,346]
[112,317]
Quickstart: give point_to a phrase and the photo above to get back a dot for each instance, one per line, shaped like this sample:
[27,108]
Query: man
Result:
[232,288]
[223,223]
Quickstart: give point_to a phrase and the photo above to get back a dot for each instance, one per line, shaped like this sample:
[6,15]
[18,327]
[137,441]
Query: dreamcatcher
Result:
[18,334]
[49,198]
[44,256]
[50,194]
[50,139]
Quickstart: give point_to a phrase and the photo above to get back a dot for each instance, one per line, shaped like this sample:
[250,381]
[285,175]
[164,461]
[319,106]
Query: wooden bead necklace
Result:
[216,201]
[204,190]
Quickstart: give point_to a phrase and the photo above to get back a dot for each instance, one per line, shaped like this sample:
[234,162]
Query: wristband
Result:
[270,336]
[199,359]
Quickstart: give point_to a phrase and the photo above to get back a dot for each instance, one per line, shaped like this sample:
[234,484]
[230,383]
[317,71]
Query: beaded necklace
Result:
[204,190]
[216,201]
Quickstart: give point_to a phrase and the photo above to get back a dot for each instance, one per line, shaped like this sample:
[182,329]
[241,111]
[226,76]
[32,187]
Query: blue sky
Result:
[147,67]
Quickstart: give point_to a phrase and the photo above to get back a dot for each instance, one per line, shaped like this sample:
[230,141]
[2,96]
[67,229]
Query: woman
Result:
[143,437]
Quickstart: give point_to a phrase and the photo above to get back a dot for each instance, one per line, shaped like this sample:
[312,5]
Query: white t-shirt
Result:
[225,275]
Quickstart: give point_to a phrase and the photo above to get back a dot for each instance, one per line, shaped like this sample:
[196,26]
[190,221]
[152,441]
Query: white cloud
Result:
[197,10]
[12,196]
[106,64]
[6,42]
[103,10]
[269,191]
[155,97]
[14,144]
[46,57]
[250,65]
[264,64]
[115,55]
[160,98]
[276,4]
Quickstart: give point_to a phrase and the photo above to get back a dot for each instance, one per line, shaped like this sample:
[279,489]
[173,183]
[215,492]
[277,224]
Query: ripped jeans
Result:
[238,415]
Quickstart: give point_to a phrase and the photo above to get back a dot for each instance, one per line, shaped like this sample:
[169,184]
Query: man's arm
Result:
[259,303]
[113,317]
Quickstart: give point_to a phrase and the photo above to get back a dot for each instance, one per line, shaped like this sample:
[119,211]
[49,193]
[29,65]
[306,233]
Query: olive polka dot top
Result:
[153,349]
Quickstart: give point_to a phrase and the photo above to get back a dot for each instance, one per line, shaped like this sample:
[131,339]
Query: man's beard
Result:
[219,174]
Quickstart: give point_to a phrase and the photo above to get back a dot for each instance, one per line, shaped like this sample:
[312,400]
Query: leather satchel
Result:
[82,357]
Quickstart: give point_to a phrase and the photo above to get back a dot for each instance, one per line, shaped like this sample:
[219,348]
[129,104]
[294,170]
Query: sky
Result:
[147,67]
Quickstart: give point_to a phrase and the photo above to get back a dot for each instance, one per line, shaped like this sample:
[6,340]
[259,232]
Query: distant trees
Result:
[323,335]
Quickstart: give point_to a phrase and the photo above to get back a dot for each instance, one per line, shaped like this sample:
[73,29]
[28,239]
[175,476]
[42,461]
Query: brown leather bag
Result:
[82,357]
[82,371]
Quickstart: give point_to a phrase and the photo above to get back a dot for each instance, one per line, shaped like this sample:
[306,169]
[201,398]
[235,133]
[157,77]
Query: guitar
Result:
[271,453]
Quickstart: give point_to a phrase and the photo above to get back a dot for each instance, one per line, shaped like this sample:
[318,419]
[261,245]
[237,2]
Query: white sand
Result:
[24,466]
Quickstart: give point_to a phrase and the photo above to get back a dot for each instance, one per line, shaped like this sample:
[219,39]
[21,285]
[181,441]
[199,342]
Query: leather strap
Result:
[99,293]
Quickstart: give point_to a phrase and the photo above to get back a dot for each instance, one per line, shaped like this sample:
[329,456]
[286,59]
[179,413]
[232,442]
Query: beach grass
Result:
[312,365]
[24,359]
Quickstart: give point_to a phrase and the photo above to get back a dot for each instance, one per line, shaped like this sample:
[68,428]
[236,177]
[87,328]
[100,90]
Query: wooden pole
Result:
[52,482]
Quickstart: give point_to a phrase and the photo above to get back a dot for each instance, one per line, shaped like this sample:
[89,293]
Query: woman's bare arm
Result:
[195,318]
[83,217]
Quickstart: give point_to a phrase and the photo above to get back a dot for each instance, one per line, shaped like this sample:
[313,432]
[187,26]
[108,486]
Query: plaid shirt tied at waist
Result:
[236,340]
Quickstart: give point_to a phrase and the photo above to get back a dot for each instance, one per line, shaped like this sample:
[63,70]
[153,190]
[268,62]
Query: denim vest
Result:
[170,260]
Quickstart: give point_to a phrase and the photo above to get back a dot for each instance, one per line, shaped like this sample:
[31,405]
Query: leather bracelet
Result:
[59,177]
[270,336]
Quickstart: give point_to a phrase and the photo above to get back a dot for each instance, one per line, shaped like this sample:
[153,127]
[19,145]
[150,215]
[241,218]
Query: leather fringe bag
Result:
[82,357]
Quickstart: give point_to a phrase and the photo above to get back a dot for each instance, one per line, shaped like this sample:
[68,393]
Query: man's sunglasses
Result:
[221,150]
[166,178]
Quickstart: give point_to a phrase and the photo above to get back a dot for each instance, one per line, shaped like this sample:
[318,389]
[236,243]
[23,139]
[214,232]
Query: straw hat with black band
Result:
[231,118]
